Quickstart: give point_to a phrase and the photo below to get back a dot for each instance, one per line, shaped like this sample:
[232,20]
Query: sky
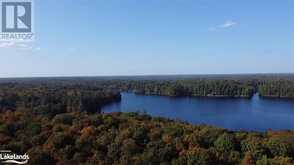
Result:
[154,37]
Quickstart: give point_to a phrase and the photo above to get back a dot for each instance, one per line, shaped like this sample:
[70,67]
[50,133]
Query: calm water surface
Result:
[235,114]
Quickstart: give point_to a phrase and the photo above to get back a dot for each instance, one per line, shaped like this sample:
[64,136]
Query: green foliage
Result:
[140,135]
[197,88]
[54,124]
[157,152]
[277,89]
[208,135]
[225,143]
[278,148]
[50,100]
[199,156]
[40,157]
[76,138]
[252,143]
[60,140]
[34,128]
[113,151]
[63,119]
[4,129]
[129,147]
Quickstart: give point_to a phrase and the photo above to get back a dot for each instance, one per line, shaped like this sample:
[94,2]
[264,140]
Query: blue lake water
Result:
[254,114]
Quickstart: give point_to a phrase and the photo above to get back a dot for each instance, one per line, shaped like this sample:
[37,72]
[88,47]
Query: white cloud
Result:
[17,45]
[6,44]
[226,24]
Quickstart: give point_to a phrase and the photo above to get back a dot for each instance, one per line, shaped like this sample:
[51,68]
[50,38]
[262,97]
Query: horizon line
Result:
[142,75]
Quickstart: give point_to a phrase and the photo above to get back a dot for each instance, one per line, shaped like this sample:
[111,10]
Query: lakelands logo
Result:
[16,20]
[8,157]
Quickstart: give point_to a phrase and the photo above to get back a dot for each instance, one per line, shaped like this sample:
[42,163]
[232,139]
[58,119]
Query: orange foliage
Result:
[248,159]
[9,117]
[167,139]
[87,132]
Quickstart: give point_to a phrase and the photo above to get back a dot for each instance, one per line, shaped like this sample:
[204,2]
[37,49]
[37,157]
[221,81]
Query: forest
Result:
[59,122]
[194,88]
[56,99]
[233,86]
[276,89]
[132,138]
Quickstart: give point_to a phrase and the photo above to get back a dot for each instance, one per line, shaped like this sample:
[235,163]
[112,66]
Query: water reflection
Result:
[235,114]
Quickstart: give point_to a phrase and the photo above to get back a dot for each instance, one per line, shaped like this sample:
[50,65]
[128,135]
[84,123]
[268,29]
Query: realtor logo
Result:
[16,20]
[16,17]
[8,157]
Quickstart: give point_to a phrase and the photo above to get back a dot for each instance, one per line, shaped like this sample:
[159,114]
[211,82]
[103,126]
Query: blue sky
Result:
[143,37]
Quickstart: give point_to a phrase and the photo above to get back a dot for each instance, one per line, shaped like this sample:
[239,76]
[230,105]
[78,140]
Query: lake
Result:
[254,114]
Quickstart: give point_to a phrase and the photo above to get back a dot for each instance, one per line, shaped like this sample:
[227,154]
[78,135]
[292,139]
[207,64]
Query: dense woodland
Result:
[130,138]
[195,88]
[55,99]
[59,122]
[234,86]
[277,89]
